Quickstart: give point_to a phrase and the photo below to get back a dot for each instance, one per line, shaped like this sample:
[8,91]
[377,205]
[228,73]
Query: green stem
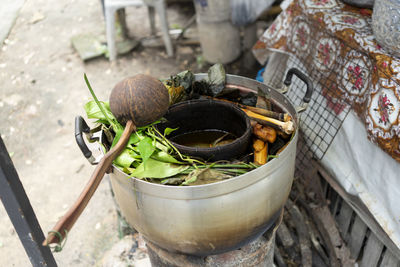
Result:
[161,140]
[227,168]
[97,101]
[236,166]
[190,160]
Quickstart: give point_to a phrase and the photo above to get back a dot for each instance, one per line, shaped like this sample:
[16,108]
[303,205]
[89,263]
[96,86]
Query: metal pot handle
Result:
[82,127]
[306,80]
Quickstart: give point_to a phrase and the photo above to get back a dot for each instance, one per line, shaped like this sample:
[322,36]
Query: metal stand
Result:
[20,211]
[259,252]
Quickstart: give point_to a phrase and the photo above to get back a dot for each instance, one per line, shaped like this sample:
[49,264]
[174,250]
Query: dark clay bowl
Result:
[200,115]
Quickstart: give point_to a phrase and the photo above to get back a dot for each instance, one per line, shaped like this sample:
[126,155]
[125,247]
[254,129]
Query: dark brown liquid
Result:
[206,138]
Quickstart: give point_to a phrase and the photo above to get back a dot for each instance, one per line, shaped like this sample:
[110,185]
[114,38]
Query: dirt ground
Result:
[42,90]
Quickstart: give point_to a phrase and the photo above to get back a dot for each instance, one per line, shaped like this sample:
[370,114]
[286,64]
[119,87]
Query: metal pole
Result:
[20,211]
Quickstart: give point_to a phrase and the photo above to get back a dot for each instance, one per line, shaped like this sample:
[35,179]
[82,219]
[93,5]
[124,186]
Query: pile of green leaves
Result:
[150,155]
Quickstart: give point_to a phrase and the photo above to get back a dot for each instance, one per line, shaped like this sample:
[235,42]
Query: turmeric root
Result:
[258,145]
[260,152]
[265,133]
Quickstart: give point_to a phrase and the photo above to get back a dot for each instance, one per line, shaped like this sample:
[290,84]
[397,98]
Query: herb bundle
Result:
[150,156]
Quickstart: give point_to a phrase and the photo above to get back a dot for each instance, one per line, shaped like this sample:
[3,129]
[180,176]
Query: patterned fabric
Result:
[338,41]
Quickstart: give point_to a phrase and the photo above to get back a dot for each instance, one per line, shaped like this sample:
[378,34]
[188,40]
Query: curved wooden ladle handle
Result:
[65,223]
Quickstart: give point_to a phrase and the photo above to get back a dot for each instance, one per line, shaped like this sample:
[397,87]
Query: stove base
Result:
[259,252]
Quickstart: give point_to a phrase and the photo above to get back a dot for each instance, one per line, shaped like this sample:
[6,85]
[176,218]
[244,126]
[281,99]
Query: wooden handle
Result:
[66,222]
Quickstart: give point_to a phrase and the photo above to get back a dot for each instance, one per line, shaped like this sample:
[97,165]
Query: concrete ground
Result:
[42,90]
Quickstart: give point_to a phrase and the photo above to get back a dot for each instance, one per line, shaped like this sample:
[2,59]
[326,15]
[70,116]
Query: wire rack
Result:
[330,103]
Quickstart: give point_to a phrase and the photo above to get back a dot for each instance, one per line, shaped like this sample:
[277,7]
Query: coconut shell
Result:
[141,98]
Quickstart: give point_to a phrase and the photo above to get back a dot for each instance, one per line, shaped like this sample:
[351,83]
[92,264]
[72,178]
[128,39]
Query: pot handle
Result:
[310,89]
[82,127]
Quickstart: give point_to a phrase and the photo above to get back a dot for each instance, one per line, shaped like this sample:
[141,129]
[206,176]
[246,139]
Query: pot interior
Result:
[208,119]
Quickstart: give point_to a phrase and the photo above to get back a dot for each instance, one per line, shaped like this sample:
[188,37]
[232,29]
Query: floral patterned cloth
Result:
[338,42]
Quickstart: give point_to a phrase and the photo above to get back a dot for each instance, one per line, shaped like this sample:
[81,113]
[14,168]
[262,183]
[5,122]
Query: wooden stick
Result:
[280,262]
[314,235]
[302,232]
[287,127]
[65,224]
[268,113]
[263,102]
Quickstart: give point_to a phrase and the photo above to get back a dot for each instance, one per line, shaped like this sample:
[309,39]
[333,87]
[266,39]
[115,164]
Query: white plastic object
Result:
[154,6]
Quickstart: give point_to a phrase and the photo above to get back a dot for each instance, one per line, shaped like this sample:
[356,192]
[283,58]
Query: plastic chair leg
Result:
[110,28]
[122,22]
[152,19]
[160,8]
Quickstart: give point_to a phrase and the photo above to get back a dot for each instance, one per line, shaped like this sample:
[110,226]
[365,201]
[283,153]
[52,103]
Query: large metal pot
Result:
[218,217]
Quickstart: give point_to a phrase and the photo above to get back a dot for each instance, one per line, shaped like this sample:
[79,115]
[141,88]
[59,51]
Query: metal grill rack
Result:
[329,104]
[319,124]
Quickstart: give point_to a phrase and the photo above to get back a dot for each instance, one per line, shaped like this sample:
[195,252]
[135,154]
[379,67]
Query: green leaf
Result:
[216,77]
[146,148]
[192,177]
[140,135]
[111,120]
[95,97]
[157,169]
[162,147]
[94,112]
[173,180]
[205,176]
[148,125]
[118,133]
[186,79]
[133,139]
[126,158]
[165,157]
[168,130]
[128,170]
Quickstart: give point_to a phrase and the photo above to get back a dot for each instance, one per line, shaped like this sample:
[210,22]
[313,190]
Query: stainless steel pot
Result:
[218,217]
